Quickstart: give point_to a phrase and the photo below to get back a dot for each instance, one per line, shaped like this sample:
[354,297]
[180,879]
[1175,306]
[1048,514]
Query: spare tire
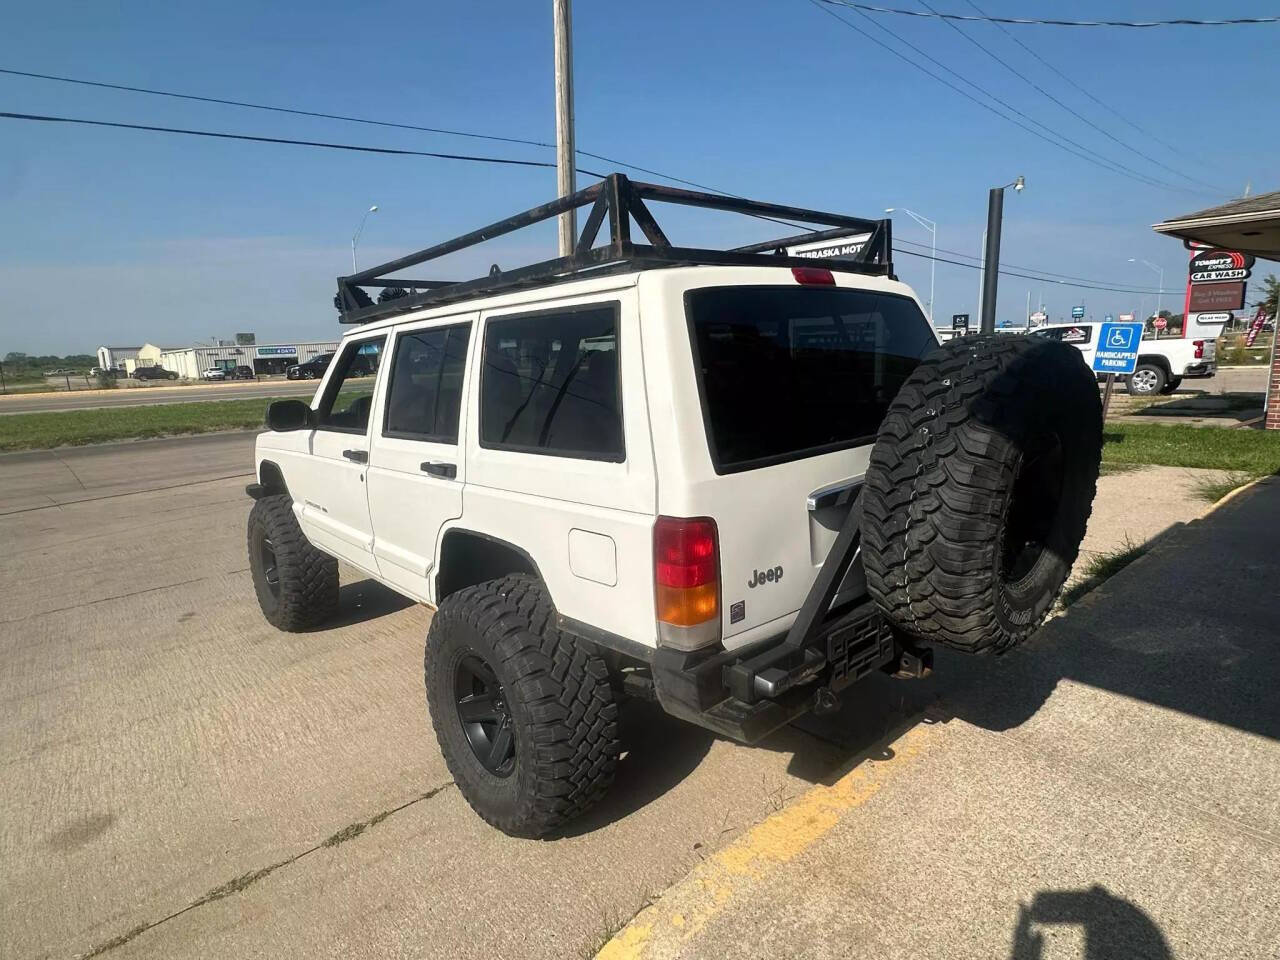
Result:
[979,489]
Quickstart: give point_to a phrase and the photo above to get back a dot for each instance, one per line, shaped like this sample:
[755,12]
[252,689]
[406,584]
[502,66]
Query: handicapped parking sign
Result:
[1118,345]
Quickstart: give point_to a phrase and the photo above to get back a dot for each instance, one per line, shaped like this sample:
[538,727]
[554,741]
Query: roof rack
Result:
[622,201]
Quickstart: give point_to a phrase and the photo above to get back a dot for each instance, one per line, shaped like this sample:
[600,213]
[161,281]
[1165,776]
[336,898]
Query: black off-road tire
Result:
[979,488]
[559,707]
[301,590]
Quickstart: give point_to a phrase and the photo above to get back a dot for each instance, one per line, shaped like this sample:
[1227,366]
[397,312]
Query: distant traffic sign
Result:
[1077,313]
[1108,318]
[1159,323]
[1118,345]
[960,321]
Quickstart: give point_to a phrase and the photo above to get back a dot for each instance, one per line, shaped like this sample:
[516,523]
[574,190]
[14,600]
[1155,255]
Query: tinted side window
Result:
[348,396]
[549,384]
[425,392]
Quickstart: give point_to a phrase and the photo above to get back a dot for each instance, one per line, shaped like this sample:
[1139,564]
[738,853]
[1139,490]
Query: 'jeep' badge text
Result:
[764,576]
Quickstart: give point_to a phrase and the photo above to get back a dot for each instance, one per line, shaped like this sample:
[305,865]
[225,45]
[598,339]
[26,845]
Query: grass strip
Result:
[1102,567]
[40,431]
[1252,452]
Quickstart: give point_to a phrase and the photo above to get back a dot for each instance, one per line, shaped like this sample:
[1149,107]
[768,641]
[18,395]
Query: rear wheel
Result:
[524,714]
[979,488]
[296,584]
[1147,380]
[1172,386]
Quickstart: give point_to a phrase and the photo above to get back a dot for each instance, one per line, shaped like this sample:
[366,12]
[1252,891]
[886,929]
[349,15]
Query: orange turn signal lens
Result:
[688,606]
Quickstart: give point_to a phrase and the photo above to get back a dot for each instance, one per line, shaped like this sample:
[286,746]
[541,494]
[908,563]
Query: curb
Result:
[685,909]
[1224,500]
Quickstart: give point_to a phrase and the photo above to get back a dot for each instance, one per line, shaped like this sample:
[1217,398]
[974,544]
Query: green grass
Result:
[39,431]
[1101,567]
[1252,452]
[1215,490]
[1110,469]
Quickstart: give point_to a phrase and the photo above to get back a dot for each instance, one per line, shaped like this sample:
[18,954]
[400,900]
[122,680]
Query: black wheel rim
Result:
[485,716]
[1033,507]
[270,566]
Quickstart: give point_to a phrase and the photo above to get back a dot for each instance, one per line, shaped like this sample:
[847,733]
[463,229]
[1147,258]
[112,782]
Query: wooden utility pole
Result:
[566,154]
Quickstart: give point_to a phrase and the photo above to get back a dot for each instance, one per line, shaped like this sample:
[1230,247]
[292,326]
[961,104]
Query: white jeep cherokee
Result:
[731,481]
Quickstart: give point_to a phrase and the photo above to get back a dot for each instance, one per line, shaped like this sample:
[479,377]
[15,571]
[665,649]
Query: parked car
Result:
[242,373]
[1162,363]
[311,369]
[214,373]
[153,373]
[658,482]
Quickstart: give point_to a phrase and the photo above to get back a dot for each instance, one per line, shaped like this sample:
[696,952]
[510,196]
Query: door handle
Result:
[448,470]
[358,456]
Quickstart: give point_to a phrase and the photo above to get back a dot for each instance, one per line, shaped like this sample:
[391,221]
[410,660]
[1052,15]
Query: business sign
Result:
[1077,313]
[1040,317]
[1255,328]
[1127,318]
[1216,296]
[277,351]
[1216,266]
[1118,345]
[1213,318]
[960,321]
[835,248]
[245,339]
[1108,318]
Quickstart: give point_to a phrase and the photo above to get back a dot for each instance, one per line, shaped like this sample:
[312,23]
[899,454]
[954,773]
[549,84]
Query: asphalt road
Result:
[181,780]
[142,396]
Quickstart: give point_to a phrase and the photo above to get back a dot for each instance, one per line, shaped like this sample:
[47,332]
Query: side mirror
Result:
[285,415]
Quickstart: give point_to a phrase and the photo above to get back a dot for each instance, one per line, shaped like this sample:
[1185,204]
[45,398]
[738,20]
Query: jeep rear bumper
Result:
[750,692]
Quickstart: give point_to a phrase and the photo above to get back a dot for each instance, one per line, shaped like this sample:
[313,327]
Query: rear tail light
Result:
[1199,345]
[814,275]
[686,573]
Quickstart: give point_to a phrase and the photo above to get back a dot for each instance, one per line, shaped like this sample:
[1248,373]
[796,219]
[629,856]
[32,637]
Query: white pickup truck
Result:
[1162,364]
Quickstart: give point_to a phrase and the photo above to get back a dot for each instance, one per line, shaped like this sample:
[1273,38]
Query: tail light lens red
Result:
[1199,345]
[686,557]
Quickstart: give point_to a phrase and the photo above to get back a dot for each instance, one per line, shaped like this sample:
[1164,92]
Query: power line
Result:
[1047,274]
[1047,63]
[1108,165]
[297,143]
[1033,21]
[298,112]
[1083,119]
[1028,276]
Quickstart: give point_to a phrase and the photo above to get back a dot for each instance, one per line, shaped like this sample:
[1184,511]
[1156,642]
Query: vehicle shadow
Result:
[660,751]
[363,601]
[1230,406]
[1113,928]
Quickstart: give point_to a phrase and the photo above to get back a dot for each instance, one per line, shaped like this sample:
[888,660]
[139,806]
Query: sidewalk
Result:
[1106,791]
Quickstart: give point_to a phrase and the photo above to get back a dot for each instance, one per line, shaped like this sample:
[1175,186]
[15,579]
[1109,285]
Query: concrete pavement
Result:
[1108,790]
[180,780]
[139,396]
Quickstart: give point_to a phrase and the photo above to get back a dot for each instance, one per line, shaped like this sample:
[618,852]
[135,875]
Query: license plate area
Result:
[855,649]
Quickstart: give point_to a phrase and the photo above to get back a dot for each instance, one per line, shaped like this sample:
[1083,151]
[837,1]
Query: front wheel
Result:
[524,714]
[1147,380]
[296,584]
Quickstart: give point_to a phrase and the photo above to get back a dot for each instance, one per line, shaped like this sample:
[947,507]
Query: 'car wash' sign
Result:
[836,248]
[1218,266]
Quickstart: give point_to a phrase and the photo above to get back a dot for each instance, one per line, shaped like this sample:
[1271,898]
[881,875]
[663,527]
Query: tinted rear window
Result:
[790,372]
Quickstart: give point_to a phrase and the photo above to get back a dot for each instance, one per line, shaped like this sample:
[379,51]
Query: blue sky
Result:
[121,237]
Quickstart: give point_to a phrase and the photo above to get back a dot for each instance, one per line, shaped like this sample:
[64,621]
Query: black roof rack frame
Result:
[621,201]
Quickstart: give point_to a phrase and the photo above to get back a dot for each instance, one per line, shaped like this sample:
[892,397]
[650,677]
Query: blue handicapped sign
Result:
[1118,345]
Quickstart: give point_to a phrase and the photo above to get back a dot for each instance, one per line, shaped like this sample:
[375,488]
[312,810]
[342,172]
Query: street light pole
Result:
[1160,292]
[355,237]
[566,152]
[991,273]
[932,227]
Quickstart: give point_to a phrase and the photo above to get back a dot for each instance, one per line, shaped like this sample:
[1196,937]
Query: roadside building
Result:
[191,362]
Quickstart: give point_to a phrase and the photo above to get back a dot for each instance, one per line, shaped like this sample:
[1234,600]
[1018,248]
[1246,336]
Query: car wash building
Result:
[190,363]
[1224,241]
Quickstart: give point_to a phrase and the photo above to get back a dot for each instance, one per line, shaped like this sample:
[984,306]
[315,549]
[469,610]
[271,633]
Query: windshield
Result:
[790,372]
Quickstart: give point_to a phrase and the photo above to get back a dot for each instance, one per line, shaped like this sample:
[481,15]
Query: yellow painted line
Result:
[1227,498]
[684,911]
